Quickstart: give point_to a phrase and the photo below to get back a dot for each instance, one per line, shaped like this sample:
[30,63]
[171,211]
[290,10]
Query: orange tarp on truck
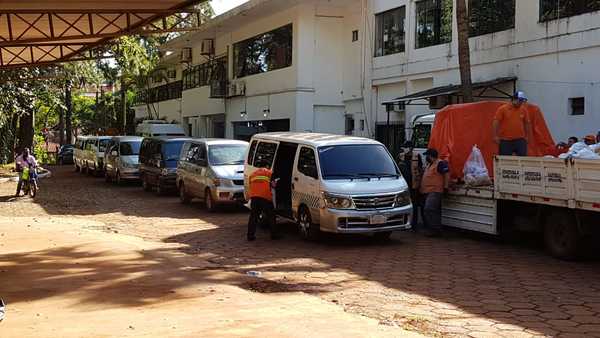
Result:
[458,128]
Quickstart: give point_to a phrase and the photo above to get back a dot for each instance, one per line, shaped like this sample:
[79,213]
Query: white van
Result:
[333,183]
[159,129]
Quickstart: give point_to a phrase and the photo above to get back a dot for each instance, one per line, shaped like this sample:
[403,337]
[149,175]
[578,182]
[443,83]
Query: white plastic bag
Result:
[475,172]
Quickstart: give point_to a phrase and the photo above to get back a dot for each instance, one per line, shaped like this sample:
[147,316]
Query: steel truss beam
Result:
[31,37]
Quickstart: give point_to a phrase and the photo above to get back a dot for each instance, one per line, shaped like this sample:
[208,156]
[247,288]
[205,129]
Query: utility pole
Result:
[464,52]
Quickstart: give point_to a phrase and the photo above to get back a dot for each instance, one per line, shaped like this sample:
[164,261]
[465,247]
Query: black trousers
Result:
[516,147]
[262,211]
[432,211]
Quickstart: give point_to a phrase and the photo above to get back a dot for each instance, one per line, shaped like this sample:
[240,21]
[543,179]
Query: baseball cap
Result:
[520,95]
[431,152]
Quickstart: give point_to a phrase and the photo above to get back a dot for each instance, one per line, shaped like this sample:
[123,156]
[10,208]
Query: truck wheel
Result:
[561,236]
[308,230]
[183,195]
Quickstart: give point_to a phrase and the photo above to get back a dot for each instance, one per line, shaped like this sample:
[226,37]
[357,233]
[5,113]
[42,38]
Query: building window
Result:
[389,32]
[490,16]
[434,22]
[349,125]
[556,9]
[577,105]
[354,36]
[263,53]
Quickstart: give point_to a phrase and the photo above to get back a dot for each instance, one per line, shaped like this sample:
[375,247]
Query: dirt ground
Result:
[91,259]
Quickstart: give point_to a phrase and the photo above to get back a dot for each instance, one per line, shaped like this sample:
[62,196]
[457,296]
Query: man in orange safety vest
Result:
[261,203]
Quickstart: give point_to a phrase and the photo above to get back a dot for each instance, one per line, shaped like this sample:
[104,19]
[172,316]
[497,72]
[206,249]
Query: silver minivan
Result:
[121,159]
[213,171]
[333,183]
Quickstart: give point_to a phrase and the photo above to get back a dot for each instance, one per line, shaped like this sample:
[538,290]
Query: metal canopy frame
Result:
[33,37]
[455,91]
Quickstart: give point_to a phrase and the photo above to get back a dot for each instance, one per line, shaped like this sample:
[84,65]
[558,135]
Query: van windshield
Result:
[231,154]
[102,145]
[130,148]
[356,161]
[171,150]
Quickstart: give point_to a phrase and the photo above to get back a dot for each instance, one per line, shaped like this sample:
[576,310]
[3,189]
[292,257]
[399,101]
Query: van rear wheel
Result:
[183,195]
[145,185]
[308,230]
[209,201]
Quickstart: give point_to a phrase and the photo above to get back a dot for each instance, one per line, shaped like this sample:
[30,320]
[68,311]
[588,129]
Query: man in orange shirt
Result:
[512,126]
[261,203]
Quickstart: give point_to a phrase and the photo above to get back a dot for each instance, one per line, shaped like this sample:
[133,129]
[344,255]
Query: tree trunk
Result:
[25,132]
[69,115]
[124,109]
[464,52]
[61,126]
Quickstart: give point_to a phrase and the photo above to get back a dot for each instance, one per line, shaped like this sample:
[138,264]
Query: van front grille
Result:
[374,202]
[238,182]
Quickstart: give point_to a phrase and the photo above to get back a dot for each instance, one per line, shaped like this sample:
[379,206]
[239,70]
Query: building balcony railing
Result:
[170,91]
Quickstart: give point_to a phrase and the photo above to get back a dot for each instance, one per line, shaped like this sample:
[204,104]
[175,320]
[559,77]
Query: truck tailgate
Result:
[470,209]
[587,184]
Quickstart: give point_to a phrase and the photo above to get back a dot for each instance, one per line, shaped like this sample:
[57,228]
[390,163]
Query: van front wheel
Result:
[308,230]
[561,236]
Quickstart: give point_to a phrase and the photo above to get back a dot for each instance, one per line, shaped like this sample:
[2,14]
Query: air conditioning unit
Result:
[186,55]
[207,48]
[439,102]
[237,88]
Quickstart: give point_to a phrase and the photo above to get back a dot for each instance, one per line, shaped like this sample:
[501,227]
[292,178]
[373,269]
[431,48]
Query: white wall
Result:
[197,102]
[553,62]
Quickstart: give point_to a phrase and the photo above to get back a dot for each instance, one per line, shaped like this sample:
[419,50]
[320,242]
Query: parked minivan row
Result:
[326,183]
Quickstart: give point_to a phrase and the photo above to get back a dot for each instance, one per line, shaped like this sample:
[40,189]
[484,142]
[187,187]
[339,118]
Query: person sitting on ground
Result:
[433,185]
[512,126]
[572,141]
[22,161]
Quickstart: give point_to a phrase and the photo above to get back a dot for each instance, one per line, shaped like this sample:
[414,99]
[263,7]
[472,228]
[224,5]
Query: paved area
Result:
[462,285]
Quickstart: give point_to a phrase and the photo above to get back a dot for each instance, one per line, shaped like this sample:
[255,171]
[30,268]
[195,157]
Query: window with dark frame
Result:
[577,105]
[557,9]
[390,36]
[490,16]
[263,53]
[434,23]
[265,154]
[354,36]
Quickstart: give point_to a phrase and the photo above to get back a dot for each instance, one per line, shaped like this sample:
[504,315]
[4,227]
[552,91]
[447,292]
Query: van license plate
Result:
[378,219]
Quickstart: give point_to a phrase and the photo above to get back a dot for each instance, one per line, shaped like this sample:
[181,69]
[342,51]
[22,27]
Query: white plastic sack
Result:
[587,154]
[475,172]
[595,148]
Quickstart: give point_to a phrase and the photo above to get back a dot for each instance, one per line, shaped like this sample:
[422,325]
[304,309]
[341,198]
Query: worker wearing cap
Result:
[261,202]
[512,126]
[589,140]
[433,185]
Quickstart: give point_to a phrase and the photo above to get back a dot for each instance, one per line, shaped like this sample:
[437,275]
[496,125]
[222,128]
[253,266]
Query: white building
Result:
[330,65]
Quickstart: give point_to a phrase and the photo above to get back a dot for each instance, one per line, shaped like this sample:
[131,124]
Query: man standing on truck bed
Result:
[433,185]
[512,126]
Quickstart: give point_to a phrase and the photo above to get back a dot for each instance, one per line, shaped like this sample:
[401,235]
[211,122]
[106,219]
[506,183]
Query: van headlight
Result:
[337,201]
[403,199]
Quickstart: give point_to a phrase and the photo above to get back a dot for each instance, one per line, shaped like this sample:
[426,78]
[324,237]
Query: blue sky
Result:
[221,6]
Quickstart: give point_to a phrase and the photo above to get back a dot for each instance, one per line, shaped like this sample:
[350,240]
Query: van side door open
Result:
[305,185]
[282,172]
